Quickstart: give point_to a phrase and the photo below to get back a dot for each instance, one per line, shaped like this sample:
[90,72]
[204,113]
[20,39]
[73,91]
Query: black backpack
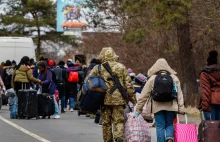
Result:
[58,74]
[163,88]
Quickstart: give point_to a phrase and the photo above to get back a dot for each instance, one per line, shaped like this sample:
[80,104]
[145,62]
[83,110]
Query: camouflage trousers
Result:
[112,116]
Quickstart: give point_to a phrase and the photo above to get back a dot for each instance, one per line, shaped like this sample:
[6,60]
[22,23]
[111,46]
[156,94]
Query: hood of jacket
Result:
[24,68]
[107,55]
[160,65]
[213,71]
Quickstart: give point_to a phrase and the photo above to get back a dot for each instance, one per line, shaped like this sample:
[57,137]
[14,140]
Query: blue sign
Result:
[70,17]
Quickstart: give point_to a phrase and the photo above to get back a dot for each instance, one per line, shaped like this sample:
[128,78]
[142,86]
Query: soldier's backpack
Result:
[163,87]
[93,93]
[58,74]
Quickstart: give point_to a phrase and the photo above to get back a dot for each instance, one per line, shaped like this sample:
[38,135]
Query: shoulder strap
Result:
[99,69]
[117,84]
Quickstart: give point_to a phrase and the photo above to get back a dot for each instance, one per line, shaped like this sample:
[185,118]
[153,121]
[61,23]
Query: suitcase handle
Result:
[22,86]
[186,119]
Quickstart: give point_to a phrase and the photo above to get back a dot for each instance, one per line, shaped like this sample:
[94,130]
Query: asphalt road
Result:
[70,128]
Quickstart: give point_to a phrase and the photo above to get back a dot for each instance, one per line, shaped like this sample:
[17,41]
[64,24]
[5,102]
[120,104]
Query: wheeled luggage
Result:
[185,132]
[209,131]
[46,106]
[27,104]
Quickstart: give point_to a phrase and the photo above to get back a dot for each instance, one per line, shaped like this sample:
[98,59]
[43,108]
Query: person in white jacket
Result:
[164,112]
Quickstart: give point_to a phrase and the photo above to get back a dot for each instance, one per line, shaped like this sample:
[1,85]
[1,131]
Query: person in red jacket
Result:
[210,86]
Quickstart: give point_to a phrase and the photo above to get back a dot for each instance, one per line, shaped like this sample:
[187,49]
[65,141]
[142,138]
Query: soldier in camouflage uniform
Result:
[114,104]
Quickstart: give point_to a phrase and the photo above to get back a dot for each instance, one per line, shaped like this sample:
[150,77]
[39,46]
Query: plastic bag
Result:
[146,115]
[10,92]
[137,129]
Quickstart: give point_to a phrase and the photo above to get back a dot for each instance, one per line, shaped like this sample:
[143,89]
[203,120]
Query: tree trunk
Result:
[38,53]
[187,62]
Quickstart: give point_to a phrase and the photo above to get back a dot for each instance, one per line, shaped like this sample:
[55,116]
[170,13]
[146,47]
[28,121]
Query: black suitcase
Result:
[46,106]
[27,104]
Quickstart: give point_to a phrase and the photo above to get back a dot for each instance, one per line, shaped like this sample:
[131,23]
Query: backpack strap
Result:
[99,69]
[117,84]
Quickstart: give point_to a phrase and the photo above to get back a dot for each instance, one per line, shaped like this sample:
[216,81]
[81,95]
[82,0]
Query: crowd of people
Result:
[162,101]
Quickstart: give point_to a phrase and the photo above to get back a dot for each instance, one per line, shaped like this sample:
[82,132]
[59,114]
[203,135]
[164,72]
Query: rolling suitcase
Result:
[27,104]
[209,131]
[46,106]
[185,132]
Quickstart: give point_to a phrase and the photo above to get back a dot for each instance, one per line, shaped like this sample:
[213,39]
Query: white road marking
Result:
[23,130]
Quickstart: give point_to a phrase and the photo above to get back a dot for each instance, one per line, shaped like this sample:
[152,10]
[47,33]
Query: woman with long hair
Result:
[22,75]
[48,85]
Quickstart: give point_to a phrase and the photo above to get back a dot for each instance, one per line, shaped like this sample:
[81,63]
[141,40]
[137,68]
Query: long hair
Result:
[24,61]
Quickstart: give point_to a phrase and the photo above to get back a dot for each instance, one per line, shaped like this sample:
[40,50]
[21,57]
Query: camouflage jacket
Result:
[108,55]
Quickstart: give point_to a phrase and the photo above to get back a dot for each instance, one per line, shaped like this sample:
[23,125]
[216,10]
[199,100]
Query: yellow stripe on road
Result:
[23,130]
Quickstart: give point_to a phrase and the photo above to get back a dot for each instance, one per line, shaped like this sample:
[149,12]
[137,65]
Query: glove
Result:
[136,114]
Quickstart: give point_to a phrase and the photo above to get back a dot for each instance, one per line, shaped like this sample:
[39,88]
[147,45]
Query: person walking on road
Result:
[114,104]
[22,76]
[164,109]
[210,87]
[45,76]
[61,79]
[71,86]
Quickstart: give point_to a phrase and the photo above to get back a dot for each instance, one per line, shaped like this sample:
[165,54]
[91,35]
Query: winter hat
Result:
[41,59]
[130,70]
[70,60]
[132,74]
[61,63]
[51,63]
[213,58]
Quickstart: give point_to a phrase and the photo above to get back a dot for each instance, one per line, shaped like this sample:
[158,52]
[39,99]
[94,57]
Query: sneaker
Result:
[87,115]
[65,109]
[62,111]
[100,125]
[56,117]
[92,116]
[71,110]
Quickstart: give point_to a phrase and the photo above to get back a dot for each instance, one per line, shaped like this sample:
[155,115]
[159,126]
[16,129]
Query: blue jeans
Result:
[164,125]
[215,112]
[207,115]
[72,102]
[57,111]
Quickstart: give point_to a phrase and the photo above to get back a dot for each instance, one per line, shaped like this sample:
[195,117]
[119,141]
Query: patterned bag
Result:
[137,129]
